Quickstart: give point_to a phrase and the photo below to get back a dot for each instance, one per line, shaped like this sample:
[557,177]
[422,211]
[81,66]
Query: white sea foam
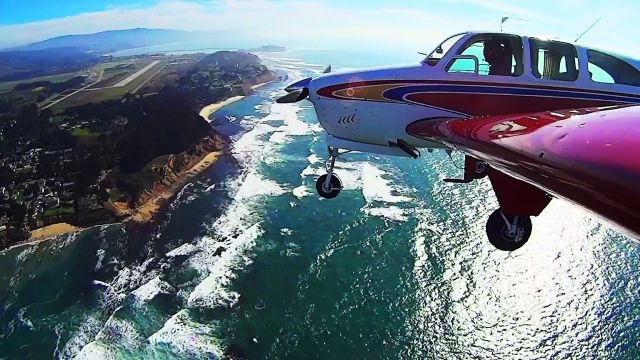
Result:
[78,343]
[278,137]
[209,188]
[151,289]
[213,290]
[235,231]
[94,351]
[117,331]
[24,320]
[392,213]
[312,171]
[184,249]
[188,338]
[313,159]
[301,191]
[377,188]
[255,185]
[250,146]
[316,128]
[129,278]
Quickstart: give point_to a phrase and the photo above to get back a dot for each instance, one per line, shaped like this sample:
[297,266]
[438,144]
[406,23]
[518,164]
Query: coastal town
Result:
[78,153]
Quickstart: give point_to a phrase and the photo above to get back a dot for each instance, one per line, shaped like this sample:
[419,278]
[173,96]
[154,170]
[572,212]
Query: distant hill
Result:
[75,52]
[267,48]
[113,40]
[230,58]
[21,64]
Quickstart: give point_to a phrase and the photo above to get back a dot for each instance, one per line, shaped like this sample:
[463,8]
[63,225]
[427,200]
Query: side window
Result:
[608,69]
[554,60]
[494,54]
[434,57]
[598,75]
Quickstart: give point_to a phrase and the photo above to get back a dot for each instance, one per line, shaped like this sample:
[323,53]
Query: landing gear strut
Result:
[508,232]
[329,185]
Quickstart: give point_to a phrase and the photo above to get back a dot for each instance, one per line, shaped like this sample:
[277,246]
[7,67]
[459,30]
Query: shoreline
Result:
[142,214]
[147,211]
[52,230]
[206,111]
[259,85]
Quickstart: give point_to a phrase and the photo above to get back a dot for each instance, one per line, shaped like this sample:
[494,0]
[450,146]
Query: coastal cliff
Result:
[106,161]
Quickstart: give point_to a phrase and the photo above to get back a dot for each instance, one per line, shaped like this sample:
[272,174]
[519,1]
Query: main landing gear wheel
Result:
[331,191]
[508,232]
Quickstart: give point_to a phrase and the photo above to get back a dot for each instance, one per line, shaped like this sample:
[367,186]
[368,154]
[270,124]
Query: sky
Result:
[408,25]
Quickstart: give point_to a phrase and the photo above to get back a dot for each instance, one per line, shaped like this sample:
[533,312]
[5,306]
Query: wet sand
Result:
[53,230]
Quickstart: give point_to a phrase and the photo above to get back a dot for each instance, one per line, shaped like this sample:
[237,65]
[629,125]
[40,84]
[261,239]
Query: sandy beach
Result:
[53,230]
[211,108]
[256,86]
[145,213]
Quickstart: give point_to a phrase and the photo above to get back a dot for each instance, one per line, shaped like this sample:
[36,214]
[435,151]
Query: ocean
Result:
[248,262]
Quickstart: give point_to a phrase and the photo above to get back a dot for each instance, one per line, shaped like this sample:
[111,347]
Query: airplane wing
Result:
[588,156]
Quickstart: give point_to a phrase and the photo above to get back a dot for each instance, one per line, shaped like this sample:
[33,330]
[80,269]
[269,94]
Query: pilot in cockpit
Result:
[495,53]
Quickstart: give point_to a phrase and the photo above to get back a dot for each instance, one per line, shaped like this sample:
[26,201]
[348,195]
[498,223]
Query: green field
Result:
[82,132]
[120,67]
[115,93]
[5,86]
[59,211]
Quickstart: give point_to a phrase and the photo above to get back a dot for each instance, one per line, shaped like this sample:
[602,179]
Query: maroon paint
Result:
[329,90]
[492,104]
[588,156]
[517,197]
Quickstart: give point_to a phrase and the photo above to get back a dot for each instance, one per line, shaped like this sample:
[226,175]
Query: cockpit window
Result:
[434,57]
[492,54]
[605,68]
[553,60]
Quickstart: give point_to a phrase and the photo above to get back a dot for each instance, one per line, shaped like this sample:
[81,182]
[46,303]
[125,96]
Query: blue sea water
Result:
[249,262]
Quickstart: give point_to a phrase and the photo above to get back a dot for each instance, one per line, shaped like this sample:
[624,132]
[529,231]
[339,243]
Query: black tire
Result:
[481,170]
[498,233]
[336,186]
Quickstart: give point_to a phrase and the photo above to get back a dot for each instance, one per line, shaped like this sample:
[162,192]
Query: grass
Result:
[53,78]
[59,211]
[115,93]
[82,132]
[120,67]
[117,195]
[57,119]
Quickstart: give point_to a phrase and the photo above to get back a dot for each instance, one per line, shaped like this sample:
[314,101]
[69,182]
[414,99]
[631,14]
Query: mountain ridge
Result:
[111,40]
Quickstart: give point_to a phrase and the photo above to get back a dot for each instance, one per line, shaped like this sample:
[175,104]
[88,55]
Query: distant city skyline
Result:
[377,25]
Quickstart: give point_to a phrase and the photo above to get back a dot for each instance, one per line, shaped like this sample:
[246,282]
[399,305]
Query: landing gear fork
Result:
[329,185]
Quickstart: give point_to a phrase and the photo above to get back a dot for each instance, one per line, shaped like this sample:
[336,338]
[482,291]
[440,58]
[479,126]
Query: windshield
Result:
[440,50]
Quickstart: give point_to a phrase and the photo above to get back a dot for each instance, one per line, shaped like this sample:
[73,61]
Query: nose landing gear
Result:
[329,185]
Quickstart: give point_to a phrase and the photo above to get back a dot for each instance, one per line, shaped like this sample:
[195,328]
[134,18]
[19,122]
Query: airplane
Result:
[541,118]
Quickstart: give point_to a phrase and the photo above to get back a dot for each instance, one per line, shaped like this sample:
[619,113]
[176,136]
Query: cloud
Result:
[301,23]
[504,9]
[320,24]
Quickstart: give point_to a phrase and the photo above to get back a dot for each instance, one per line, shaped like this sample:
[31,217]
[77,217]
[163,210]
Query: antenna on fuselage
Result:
[504,19]
[589,28]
